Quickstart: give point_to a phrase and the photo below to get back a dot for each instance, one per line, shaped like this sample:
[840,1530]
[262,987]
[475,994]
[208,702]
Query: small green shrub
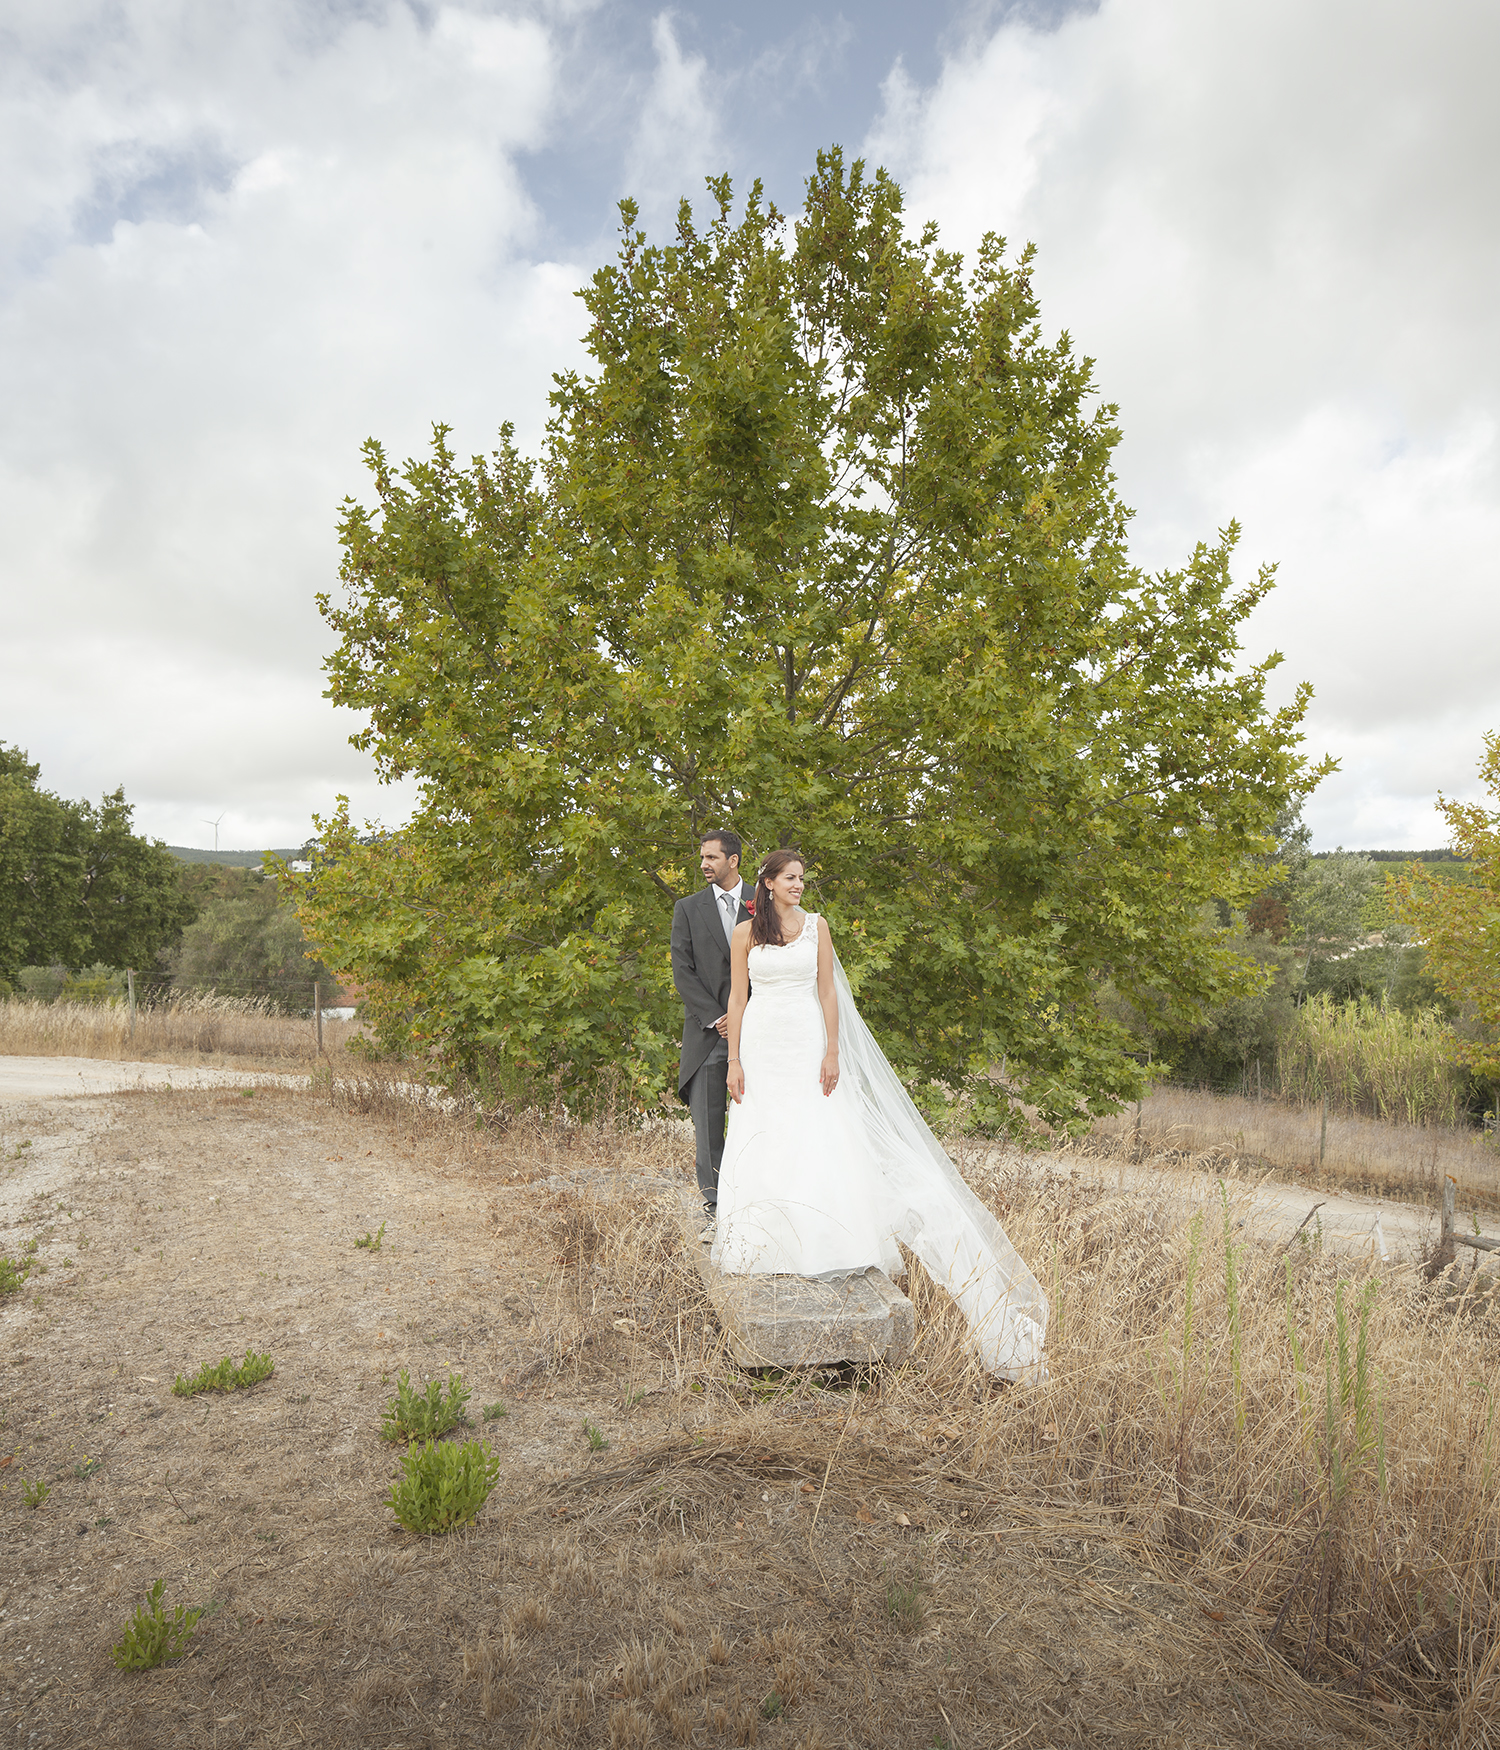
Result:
[34,1493]
[596,1440]
[443,1484]
[425,1415]
[153,1637]
[226,1376]
[494,1412]
[370,1242]
[13,1274]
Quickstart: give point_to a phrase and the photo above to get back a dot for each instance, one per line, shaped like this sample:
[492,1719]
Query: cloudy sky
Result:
[236,240]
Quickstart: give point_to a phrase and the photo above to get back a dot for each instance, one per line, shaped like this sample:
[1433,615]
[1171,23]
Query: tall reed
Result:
[1371,1059]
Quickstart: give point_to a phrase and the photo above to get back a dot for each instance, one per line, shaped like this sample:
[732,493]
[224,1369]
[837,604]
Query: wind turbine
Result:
[215,825]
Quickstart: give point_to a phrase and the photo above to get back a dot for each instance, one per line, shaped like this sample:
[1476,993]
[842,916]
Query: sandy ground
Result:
[31,1078]
[668,1587]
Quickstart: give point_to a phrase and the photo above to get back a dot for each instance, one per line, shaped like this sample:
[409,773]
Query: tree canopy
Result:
[1459,921]
[824,546]
[77,885]
[244,941]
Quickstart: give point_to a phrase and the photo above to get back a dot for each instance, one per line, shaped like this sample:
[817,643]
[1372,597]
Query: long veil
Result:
[935,1214]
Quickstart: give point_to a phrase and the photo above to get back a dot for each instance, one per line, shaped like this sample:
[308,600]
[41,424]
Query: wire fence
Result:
[284,993]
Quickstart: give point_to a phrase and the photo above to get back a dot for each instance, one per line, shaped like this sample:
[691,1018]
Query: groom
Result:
[701,927]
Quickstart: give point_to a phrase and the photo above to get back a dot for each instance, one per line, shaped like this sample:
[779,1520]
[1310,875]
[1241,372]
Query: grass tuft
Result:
[13,1273]
[226,1375]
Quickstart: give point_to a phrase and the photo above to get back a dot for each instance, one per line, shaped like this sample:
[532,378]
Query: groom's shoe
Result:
[707,1236]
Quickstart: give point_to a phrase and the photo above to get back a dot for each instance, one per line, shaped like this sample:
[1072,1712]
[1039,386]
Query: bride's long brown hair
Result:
[765,926]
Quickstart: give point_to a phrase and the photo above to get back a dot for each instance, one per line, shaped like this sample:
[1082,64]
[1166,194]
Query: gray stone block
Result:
[795,1321]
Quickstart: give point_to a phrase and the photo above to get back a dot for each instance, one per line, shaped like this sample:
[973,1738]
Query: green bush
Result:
[153,1637]
[443,1484]
[52,984]
[226,1376]
[245,942]
[425,1415]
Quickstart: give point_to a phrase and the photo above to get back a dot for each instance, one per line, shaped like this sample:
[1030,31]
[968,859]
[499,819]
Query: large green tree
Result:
[245,942]
[77,884]
[826,546]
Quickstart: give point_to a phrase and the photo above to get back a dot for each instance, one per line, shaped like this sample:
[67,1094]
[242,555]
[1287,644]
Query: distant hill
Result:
[1401,856]
[233,859]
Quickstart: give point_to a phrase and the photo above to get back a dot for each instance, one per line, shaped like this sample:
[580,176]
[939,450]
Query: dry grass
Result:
[1361,1154]
[1187,1424]
[202,1028]
[1157,1547]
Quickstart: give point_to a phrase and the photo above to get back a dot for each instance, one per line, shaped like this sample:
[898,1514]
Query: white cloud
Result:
[1273,226]
[237,240]
[676,138]
[240,247]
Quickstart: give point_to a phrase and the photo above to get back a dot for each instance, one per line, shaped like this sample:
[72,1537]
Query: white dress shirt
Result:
[729,913]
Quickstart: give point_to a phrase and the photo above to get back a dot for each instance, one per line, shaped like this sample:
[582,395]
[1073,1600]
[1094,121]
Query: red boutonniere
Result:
[750,906]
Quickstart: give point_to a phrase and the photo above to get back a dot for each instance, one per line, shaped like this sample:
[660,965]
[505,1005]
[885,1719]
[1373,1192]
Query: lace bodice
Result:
[790,968]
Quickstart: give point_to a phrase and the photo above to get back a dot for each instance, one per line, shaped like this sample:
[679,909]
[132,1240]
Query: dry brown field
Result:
[1183,1538]
[205,1030]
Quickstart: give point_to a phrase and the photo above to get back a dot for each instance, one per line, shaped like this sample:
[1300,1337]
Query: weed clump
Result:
[427,1414]
[153,1637]
[443,1485]
[370,1242]
[13,1273]
[226,1376]
[33,1493]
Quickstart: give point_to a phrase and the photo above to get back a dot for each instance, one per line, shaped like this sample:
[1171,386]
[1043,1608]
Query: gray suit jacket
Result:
[700,970]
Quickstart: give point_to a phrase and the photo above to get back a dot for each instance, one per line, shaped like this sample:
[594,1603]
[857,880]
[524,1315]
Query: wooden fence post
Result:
[318,1012]
[1257,1081]
[1323,1137]
[130,991]
[1450,1192]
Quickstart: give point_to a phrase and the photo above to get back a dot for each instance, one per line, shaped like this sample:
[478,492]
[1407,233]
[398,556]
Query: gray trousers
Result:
[708,1101]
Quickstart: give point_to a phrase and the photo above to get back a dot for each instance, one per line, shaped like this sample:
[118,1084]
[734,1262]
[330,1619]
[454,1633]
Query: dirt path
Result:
[1380,1229]
[708,1576]
[33,1078]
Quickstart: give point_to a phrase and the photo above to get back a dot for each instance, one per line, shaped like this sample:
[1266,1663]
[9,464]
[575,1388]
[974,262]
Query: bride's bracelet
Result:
[734,1060]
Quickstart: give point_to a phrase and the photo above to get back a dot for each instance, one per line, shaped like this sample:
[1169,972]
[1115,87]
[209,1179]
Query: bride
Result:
[827,1163]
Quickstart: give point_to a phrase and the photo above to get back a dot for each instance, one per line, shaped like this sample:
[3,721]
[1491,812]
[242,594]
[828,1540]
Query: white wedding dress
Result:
[825,1185]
